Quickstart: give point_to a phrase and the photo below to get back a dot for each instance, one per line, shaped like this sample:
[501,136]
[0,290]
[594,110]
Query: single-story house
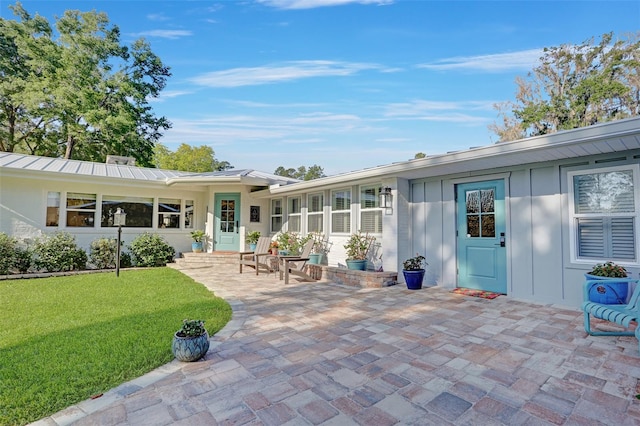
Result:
[527,218]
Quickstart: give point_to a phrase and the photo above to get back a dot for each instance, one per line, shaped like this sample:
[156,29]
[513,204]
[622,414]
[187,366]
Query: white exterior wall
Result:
[23,203]
[539,265]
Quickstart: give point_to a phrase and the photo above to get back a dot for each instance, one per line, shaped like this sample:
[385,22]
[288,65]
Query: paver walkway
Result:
[326,354]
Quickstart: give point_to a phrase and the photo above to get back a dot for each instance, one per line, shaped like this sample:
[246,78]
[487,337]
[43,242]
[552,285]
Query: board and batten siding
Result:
[539,264]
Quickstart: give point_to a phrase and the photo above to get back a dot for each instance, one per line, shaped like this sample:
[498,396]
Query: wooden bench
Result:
[619,314]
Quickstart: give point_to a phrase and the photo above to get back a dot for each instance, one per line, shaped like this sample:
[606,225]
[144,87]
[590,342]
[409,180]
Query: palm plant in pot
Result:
[414,271]
[604,288]
[357,247]
[198,236]
[252,238]
[191,342]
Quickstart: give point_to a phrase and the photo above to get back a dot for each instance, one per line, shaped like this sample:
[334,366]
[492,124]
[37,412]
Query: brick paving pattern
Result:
[329,354]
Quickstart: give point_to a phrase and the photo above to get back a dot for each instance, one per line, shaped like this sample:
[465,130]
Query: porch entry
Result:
[227,222]
[481,236]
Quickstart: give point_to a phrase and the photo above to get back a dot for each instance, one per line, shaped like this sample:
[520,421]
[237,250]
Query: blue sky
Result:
[344,84]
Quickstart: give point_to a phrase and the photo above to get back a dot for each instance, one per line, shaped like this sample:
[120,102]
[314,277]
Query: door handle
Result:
[236,226]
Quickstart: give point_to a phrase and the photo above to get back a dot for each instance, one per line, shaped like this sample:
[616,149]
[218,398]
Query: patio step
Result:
[201,260]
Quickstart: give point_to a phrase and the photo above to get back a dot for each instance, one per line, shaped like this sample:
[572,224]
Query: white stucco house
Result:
[527,218]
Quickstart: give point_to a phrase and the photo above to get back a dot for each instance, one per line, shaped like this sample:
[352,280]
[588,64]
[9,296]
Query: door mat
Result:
[476,293]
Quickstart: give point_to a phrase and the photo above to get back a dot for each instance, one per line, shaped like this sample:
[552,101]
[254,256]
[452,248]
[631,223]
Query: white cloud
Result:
[157,17]
[170,94]
[170,34]
[311,4]
[287,71]
[523,60]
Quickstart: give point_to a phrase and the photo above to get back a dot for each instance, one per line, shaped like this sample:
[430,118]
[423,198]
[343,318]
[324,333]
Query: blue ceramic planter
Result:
[189,349]
[413,279]
[357,265]
[609,292]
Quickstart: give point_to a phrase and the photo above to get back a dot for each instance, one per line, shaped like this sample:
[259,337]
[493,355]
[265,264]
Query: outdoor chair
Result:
[257,259]
[297,265]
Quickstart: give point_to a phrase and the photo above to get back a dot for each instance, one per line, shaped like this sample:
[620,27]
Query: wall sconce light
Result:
[385,197]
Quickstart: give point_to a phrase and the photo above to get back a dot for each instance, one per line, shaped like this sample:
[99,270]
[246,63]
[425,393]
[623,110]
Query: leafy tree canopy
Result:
[574,86]
[80,93]
[302,173]
[419,155]
[188,158]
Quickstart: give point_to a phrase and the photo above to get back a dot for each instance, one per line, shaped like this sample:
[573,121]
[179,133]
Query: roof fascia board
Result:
[67,177]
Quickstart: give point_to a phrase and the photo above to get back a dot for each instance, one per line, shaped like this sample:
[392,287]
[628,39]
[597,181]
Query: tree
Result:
[302,173]
[419,155]
[83,95]
[575,86]
[189,159]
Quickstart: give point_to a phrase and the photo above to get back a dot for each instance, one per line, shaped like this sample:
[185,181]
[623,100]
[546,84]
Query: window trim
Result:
[315,213]
[377,188]
[297,214]
[347,210]
[573,228]
[272,215]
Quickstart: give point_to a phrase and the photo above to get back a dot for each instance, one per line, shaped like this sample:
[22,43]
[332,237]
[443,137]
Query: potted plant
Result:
[607,291]
[198,236]
[358,246]
[414,271]
[320,248]
[191,342]
[252,238]
[274,247]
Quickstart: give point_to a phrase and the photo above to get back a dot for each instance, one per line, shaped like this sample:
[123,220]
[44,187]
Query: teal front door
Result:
[481,236]
[227,212]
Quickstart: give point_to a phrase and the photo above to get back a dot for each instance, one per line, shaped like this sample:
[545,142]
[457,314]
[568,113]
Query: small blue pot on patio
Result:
[413,279]
[609,291]
[189,349]
[315,258]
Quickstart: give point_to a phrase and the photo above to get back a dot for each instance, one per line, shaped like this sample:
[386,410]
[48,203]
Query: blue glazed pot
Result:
[413,279]
[189,349]
[196,247]
[315,258]
[357,265]
[609,292]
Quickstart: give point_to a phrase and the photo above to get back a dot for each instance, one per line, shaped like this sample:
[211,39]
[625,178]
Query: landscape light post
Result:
[119,218]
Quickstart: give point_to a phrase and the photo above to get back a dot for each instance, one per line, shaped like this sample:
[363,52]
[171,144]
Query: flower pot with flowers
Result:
[191,342]
[273,247]
[414,271]
[357,247]
[603,287]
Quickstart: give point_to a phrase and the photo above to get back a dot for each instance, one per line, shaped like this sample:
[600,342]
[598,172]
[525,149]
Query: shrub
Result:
[22,259]
[58,252]
[7,253]
[150,250]
[103,253]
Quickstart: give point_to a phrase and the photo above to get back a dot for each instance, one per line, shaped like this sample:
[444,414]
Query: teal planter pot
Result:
[189,349]
[315,258]
[357,265]
[608,291]
[196,247]
[252,246]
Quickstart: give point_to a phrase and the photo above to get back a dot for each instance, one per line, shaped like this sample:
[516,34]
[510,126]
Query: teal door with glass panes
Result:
[481,236]
[227,222]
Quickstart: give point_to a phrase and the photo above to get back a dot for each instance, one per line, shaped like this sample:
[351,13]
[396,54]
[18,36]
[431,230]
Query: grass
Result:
[65,339]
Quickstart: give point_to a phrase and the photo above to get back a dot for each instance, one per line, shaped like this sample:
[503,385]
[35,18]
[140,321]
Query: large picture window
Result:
[370,211]
[294,214]
[341,211]
[315,210]
[605,214]
[81,210]
[139,211]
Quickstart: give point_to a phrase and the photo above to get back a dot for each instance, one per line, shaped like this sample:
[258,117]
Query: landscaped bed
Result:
[66,339]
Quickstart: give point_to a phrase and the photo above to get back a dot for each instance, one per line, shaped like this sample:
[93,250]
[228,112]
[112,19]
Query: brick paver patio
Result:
[327,354]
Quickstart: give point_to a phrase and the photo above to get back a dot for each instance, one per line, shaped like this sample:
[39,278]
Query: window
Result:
[341,211]
[481,217]
[315,217]
[294,216]
[53,209]
[139,211]
[370,211]
[188,214]
[276,215]
[605,214]
[81,209]
[168,213]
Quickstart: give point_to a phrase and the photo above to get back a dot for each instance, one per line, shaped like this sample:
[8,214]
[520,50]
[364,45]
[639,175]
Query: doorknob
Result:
[236,226]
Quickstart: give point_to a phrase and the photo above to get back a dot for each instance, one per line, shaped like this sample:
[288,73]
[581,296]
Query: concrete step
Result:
[207,259]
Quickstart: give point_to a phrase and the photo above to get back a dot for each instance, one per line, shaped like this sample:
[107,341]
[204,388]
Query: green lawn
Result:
[65,339]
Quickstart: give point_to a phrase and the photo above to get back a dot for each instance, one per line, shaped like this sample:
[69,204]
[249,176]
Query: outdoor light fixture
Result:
[385,197]
[119,219]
